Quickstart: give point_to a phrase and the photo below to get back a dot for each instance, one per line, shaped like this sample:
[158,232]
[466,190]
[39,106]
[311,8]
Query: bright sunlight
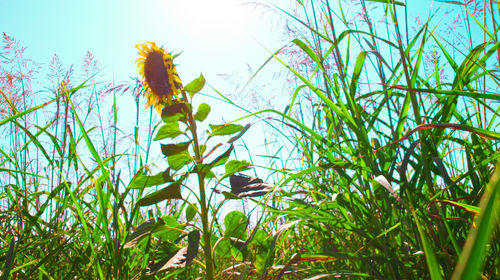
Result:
[218,21]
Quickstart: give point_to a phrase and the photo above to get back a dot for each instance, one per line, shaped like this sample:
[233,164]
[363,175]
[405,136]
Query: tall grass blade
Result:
[471,261]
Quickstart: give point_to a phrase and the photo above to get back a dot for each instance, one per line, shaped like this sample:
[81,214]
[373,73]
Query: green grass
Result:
[384,162]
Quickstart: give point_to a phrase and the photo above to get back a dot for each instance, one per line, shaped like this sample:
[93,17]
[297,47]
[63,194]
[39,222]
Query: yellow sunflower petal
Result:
[160,79]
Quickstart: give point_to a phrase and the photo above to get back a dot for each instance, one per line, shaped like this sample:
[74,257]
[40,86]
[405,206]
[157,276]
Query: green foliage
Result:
[225,129]
[236,224]
[389,187]
[202,113]
[185,159]
[195,86]
[168,130]
[191,212]
[173,191]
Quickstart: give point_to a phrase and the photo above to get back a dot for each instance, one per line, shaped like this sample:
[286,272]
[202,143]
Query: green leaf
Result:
[172,149]
[229,195]
[173,191]
[210,174]
[430,257]
[473,254]
[234,166]
[236,224]
[177,261]
[196,85]
[360,61]
[179,160]
[142,181]
[168,130]
[260,238]
[469,208]
[202,113]
[170,230]
[221,159]
[308,50]
[225,129]
[175,112]
[191,212]
[136,135]
[223,247]
[236,254]
[237,136]
[141,231]
[203,148]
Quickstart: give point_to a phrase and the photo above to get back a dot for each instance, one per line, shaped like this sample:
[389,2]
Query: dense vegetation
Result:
[384,164]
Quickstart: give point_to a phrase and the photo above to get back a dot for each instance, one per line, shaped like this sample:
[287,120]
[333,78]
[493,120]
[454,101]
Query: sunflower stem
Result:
[207,232]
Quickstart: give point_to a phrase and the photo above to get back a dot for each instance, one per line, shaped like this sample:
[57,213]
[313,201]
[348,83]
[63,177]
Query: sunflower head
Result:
[159,77]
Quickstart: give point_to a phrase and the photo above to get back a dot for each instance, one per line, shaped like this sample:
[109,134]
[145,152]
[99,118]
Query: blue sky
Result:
[214,36]
[218,36]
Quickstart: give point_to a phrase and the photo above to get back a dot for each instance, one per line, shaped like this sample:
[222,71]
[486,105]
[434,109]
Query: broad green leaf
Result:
[196,85]
[221,159]
[191,212]
[225,129]
[171,230]
[141,231]
[177,261]
[179,160]
[168,130]
[260,260]
[210,174]
[142,181]
[234,166]
[175,112]
[235,223]
[236,254]
[237,136]
[223,248]
[173,191]
[261,238]
[202,113]
[172,149]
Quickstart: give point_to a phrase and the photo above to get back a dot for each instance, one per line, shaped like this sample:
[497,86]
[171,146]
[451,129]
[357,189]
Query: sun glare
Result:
[216,20]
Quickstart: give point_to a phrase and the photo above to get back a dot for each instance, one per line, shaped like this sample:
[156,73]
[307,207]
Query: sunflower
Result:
[159,77]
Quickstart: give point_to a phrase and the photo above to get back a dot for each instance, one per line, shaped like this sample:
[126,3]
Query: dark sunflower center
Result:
[156,74]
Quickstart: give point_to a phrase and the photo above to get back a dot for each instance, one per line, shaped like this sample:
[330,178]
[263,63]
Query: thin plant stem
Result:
[207,232]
